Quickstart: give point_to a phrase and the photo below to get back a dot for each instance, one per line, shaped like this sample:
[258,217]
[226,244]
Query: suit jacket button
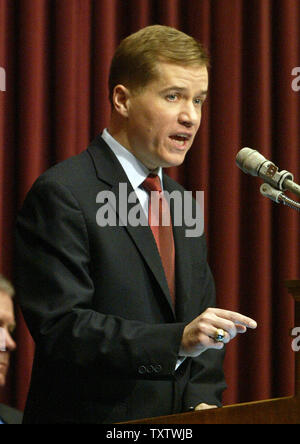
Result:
[157,368]
[142,370]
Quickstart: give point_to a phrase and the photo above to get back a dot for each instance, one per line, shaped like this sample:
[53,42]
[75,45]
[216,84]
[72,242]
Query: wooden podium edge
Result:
[270,411]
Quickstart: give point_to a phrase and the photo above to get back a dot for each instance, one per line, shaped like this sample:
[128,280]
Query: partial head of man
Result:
[158,83]
[7,326]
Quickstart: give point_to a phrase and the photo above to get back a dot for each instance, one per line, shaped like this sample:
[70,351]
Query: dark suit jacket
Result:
[98,306]
[9,415]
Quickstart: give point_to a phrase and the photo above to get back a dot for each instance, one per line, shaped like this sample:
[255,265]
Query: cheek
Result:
[151,129]
[151,125]
[142,124]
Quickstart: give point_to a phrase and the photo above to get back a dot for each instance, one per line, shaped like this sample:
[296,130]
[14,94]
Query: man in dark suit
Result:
[124,327]
[8,415]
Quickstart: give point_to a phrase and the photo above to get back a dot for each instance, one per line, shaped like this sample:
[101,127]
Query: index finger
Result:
[235,317]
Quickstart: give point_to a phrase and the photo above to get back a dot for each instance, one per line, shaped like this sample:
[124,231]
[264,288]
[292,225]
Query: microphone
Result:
[252,162]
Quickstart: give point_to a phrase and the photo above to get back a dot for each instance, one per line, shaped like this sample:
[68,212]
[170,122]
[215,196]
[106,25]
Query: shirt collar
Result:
[134,169]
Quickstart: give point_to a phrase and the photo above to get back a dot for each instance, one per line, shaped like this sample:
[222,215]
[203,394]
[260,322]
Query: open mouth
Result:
[180,140]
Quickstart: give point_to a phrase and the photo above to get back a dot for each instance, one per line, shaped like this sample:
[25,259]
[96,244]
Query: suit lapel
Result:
[183,269]
[109,170]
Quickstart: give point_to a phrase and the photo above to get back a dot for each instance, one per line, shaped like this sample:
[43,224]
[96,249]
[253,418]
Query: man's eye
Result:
[198,101]
[172,97]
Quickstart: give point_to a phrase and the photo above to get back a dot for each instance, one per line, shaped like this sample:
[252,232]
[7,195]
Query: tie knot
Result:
[152,183]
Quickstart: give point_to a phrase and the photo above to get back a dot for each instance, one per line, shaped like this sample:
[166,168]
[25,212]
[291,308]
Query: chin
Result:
[174,161]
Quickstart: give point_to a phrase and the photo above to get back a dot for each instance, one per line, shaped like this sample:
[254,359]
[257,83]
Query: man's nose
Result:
[10,343]
[189,116]
[6,341]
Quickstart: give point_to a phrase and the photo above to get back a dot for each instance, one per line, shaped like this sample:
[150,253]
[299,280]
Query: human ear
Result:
[121,100]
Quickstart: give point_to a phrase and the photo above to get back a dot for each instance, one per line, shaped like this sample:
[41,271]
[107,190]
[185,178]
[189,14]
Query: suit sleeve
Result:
[55,291]
[207,382]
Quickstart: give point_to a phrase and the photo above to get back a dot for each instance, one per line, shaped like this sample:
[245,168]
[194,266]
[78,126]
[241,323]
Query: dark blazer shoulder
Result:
[96,162]
[67,170]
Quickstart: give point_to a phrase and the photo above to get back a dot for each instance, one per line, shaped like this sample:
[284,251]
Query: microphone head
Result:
[249,161]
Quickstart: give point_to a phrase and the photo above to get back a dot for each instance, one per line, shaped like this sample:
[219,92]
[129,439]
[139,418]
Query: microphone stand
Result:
[278,196]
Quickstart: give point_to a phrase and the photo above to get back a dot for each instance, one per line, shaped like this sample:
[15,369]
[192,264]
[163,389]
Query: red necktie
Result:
[161,225]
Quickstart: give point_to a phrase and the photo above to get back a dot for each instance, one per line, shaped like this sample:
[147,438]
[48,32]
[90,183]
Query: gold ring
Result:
[220,335]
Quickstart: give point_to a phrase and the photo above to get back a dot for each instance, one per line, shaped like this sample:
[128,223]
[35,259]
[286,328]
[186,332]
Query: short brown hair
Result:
[135,60]
[6,286]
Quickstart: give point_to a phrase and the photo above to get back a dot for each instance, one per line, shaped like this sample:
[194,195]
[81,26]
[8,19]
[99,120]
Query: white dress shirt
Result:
[134,169]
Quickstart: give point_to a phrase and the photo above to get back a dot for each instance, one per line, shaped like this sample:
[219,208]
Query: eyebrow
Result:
[180,88]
